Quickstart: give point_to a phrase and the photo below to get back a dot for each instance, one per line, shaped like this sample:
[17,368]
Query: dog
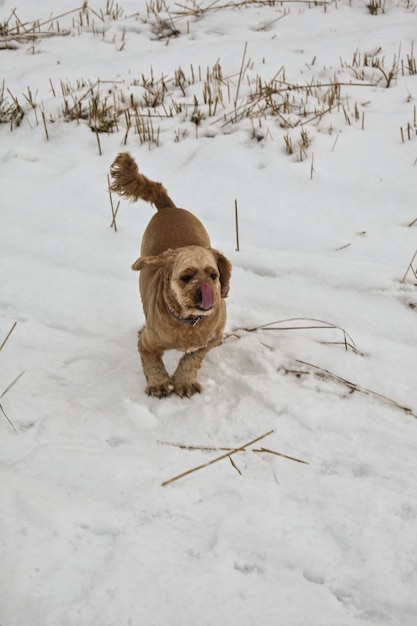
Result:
[183,283]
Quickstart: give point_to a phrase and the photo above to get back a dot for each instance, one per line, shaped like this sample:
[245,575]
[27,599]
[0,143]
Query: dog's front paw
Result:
[186,389]
[159,391]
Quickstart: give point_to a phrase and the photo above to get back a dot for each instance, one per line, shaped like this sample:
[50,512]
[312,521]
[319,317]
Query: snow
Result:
[89,536]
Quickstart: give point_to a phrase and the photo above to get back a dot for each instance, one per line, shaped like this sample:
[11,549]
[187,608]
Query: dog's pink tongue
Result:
[207,298]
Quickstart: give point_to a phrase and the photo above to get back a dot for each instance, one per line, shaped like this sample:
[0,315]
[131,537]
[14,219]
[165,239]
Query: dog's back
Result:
[173,228]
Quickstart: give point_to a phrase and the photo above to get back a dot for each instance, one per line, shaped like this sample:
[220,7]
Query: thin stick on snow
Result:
[285,456]
[4,393]
[7,336]
[234,465]
[410,267]
[113,210]
[44,125]
[219,458]
[316,325]
[237,226]
[98,140]
[323,373]
[8,419]
[12,384]
[312,170]
[240,77]
[193,448]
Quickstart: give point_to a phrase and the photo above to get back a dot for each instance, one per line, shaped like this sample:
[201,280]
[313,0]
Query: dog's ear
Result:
[225,270]
[160,260]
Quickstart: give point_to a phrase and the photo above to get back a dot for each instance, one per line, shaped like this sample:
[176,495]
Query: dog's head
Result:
[197,277]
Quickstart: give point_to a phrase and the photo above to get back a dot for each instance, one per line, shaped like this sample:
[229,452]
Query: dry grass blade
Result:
[184,446]
[316,325]
[193,9]
[326,374]
[410,267]
[192,448]
[284,456]
[237,226]
[234,465]
[8,336]
[113,210]
[45,125]
[4,393]
[69,112]
[12,384]
[15,380]
[240,75]
[10,111]
[24,32]
[8,419]
[219,458]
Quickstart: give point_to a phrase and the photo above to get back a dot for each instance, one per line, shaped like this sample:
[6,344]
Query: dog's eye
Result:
[186,278]
[213,276]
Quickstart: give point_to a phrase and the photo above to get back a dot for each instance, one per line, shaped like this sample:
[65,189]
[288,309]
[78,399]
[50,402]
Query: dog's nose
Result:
[205,297]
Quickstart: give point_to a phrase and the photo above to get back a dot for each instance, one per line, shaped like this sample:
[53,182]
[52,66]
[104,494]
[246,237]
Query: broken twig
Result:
[113,210]
[237,226]
[234,465]
[312,324]
[323,373]
[8,419]
[7,336]
[12,384]
[410,268]
[285,456]
[219,458]
[192,448]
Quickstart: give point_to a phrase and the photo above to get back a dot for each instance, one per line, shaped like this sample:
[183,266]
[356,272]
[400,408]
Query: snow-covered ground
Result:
[88,534]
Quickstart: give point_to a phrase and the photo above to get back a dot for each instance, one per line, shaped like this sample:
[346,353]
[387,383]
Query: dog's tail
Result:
[128,182]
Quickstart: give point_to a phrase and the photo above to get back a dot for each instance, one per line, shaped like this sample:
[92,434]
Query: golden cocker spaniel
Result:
[183,283]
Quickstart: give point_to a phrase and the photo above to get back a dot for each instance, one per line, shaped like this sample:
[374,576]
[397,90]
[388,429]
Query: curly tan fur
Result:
[128,182]
[183,283]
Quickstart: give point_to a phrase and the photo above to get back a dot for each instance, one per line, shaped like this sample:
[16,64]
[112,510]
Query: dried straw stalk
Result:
[7,336]
[219,458]
[323,373]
